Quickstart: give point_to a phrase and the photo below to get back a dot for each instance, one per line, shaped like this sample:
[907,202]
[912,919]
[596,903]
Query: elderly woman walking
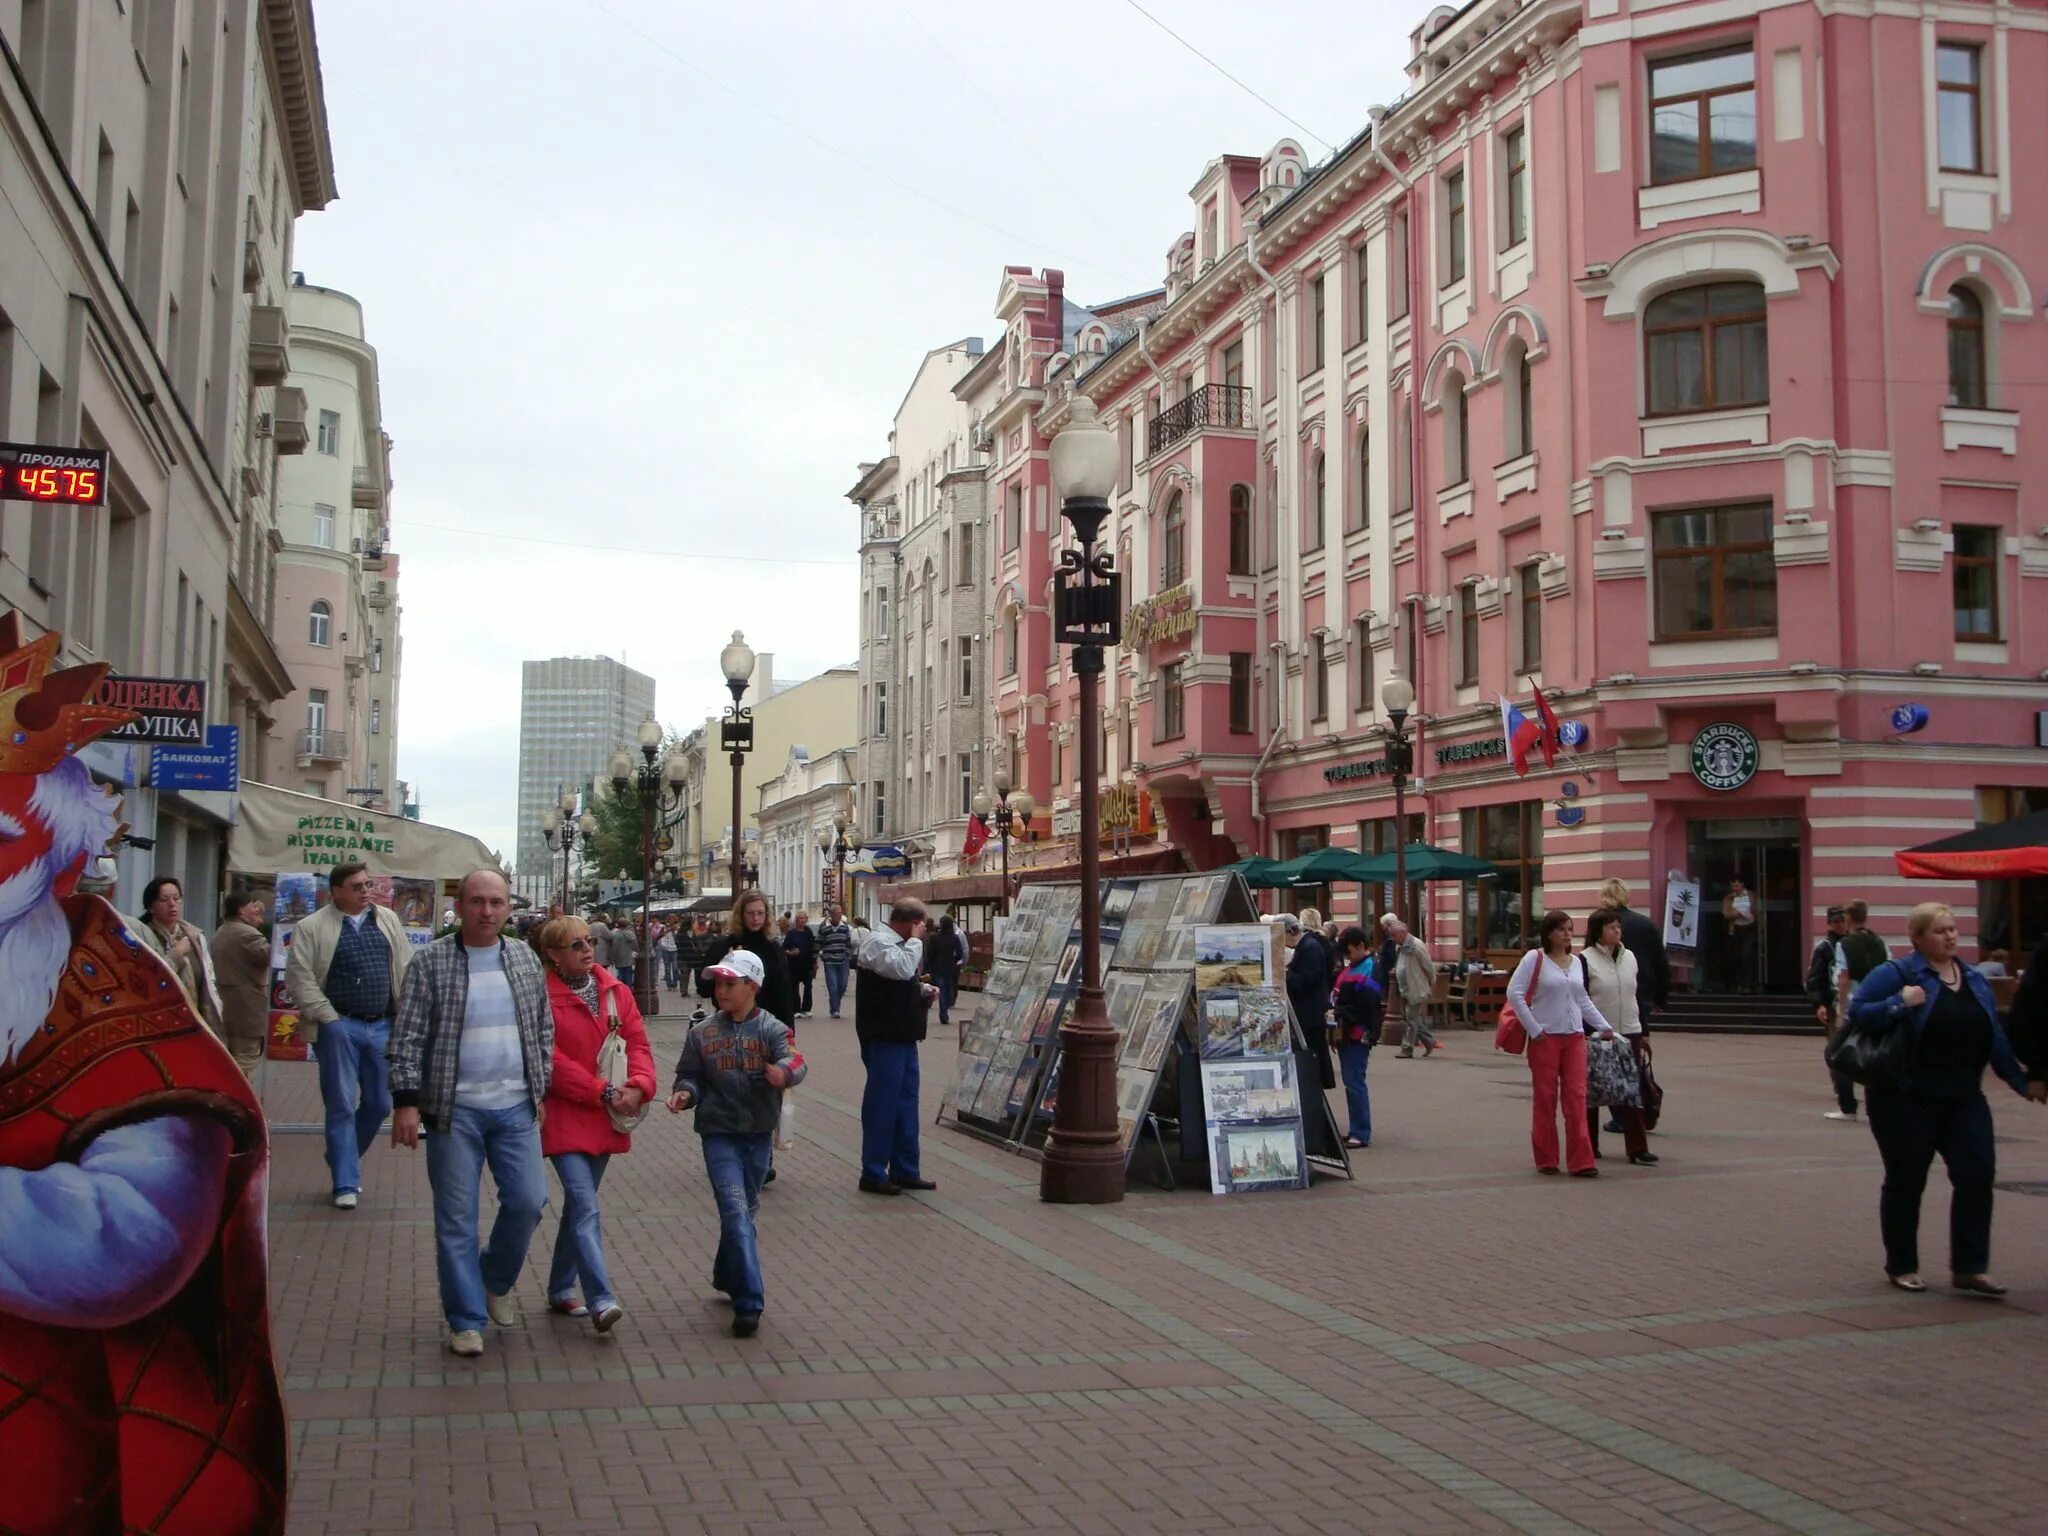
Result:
[1610,973]
[241,968]
[182,945]
[1937,1103]
[579,1135]
[1551,1002]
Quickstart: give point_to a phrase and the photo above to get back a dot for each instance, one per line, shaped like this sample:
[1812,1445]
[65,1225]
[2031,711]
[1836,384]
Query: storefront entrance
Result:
[1763,853]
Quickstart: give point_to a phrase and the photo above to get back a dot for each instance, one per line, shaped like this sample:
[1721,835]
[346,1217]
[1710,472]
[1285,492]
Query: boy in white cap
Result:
[733,1070]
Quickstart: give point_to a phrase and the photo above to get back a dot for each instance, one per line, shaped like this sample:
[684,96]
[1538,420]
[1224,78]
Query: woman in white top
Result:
[1610,975]
[1550,1000]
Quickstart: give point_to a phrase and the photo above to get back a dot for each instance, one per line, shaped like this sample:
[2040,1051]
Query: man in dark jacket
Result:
[1824,973]
[1310,975]
[889,1008]
[800,944]
[1641,937]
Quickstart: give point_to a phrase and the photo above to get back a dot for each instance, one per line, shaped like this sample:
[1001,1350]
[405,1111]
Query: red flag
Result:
[1550,727]
[977,839]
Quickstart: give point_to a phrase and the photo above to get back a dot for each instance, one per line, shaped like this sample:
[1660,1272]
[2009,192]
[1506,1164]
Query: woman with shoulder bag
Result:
[1549,1000]
[1357,1002]
[1609,972]
[1934,1101]
[589,1117]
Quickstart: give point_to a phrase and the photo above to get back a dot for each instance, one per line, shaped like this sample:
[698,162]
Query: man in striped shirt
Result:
[835,954]
[471,1050]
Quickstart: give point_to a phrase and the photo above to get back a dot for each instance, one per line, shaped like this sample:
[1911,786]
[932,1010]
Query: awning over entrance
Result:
[2002,850]
[1157,861]
[282,829]
[948,888]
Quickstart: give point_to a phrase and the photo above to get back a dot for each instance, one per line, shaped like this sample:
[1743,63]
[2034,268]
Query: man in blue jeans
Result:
[733,1069]
[835,954]
[471,1051]
[890,1006]
[346,970]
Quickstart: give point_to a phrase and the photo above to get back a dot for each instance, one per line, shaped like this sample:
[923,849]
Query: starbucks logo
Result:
[1724,757]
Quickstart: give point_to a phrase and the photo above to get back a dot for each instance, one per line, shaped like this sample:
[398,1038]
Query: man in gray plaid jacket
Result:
[471,1049]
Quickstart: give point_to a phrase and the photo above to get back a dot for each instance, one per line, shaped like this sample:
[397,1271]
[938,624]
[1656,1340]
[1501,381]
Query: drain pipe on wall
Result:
[1251,258]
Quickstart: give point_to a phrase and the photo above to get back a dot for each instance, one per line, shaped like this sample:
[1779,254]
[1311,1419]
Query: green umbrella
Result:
[1424,862]
[1257,872]
[1321,867]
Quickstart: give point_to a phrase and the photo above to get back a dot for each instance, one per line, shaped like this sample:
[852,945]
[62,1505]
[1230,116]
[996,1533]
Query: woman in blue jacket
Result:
[1936,1103]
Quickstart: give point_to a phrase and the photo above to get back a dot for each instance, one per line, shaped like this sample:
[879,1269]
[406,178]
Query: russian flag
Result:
[1522,734]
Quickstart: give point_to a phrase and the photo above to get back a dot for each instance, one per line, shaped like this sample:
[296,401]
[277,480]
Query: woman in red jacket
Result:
[577,1135]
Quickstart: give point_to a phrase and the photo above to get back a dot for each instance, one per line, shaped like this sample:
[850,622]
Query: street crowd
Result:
[506,1054]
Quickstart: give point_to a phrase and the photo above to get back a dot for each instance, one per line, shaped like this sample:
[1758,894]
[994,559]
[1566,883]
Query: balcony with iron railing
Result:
[1213,405]
[322,746]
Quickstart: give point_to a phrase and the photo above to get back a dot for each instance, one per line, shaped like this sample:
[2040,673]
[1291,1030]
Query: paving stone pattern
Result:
[1447,1344]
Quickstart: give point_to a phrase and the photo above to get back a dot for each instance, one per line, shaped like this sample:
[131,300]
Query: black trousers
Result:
[1911,1127]
[803,981]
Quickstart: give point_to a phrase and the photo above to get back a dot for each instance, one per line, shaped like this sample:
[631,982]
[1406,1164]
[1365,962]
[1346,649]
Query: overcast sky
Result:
[647,280]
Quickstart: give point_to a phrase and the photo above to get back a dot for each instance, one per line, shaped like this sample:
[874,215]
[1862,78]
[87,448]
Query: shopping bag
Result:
[1650,1092]
[785,1122]
[1610,1073]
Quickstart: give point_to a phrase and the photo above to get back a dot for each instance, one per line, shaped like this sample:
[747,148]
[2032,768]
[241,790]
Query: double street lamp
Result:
[663,804]
[736,737]
[1010,808]
[1083,1163]
[836,843]
[560,828]
[1397,697]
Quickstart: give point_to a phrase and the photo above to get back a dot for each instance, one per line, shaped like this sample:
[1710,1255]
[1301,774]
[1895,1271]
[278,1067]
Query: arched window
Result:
[1362,503]
[1240,530]
[1967,373]
[1457,434]
[1706,348]
[319,624]
[1173,543]
[1318,501]
[1518,411]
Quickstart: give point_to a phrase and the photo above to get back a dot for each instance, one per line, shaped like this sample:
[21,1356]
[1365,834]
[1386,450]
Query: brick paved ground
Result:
[1449,1344]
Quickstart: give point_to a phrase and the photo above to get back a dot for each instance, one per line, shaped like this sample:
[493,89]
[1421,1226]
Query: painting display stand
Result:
[1006,1082]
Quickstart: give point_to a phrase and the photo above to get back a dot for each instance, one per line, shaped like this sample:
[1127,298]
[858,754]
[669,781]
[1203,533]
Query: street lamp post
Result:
[736,736]
[560,826]
[1010,808]
[1083,1164]
[835,845]
[1397,696]
[660,790]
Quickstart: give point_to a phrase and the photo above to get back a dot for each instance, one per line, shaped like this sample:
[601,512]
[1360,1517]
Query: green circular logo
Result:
[1724,756]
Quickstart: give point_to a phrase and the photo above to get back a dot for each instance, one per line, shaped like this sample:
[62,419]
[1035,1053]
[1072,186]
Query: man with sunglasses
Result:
[346,971]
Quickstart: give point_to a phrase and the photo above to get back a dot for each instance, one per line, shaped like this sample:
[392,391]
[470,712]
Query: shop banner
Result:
[1681,912]
[280,829]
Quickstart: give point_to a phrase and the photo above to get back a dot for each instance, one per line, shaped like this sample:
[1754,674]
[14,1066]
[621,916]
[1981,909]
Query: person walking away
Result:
[1407,965]
[1549,998]
[835,954]
[1610,973]
[733,1069]
[1310,976]
[1738,919]
[183,947]
[800,948]
[1826,970]
[1357,1003]
[665,948]
[241,969]
[1937,1105]
[624,951]
[942,957]
[345,973]
[890,1007]
[472,1049]
[691,944]
[577,1135]
[1643,937]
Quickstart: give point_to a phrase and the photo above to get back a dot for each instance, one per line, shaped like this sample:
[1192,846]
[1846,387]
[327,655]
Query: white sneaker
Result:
[345,1201]
[1841,1114]
[466,1342]
[503,1309]
[607,1317]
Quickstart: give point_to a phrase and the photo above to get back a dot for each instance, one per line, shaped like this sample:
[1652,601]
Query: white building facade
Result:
[806,801]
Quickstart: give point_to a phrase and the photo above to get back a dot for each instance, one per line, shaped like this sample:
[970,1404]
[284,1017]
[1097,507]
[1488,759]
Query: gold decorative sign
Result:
[1168,616]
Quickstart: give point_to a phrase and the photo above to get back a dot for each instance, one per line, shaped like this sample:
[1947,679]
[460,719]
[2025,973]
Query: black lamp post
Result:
[1083,1164]
[1010,808]
[1397,696]
[736,736]
[843,839]
[659,787]
[561,827]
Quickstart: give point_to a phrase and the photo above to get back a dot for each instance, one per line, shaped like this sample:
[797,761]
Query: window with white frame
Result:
[881,709]
[1454,227]
[1514,152]
[323,526]
[1519,408]
[329,439]
[320,624]
[966,765]
[376,717]
[1959,107]
[878,797]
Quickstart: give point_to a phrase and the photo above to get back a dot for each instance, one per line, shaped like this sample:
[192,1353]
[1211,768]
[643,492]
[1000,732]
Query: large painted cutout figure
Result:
[137,1387]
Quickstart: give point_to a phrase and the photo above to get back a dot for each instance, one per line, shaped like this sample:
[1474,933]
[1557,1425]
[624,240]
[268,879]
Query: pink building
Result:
[1670,357]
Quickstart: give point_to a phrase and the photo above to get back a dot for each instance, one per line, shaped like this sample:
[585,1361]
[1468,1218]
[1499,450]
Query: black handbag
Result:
[1865,1054]
[1652,1091]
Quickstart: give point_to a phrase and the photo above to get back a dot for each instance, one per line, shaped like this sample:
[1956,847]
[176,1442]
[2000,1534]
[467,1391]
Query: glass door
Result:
[1763,854]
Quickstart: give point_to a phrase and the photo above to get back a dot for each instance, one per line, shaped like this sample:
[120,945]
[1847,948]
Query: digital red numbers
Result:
[54,476]
[74,485]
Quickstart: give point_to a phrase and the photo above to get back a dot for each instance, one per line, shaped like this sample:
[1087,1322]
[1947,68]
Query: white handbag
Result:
[612,1067]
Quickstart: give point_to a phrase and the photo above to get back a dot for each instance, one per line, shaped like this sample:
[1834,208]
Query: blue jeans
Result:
[888,1111]
[1353,1059]
[949,989]
[671,968]
[509,1141]
[355,1086]
[835,984]
[625,973]
[737,1164]
[579,1240]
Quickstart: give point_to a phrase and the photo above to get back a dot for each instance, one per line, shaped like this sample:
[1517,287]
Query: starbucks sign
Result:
[1724,756]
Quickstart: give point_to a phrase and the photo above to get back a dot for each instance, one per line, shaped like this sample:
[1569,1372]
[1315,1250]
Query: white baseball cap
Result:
[739,965]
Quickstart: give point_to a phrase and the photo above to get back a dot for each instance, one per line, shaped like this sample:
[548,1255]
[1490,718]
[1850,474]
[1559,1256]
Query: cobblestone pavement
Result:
[1448,1344]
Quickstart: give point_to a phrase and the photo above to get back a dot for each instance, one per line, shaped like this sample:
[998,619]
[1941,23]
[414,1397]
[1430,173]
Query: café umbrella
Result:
[1257,872]
[2001,850]
[1426,863]
[1321,867]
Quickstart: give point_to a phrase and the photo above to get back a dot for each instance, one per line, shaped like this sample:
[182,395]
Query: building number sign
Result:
[1724,756]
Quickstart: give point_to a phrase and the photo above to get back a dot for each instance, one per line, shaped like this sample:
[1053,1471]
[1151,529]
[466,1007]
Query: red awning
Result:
[2000,850]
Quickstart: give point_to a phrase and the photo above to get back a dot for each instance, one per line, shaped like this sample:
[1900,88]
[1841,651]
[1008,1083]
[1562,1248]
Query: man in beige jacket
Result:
[346,968]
